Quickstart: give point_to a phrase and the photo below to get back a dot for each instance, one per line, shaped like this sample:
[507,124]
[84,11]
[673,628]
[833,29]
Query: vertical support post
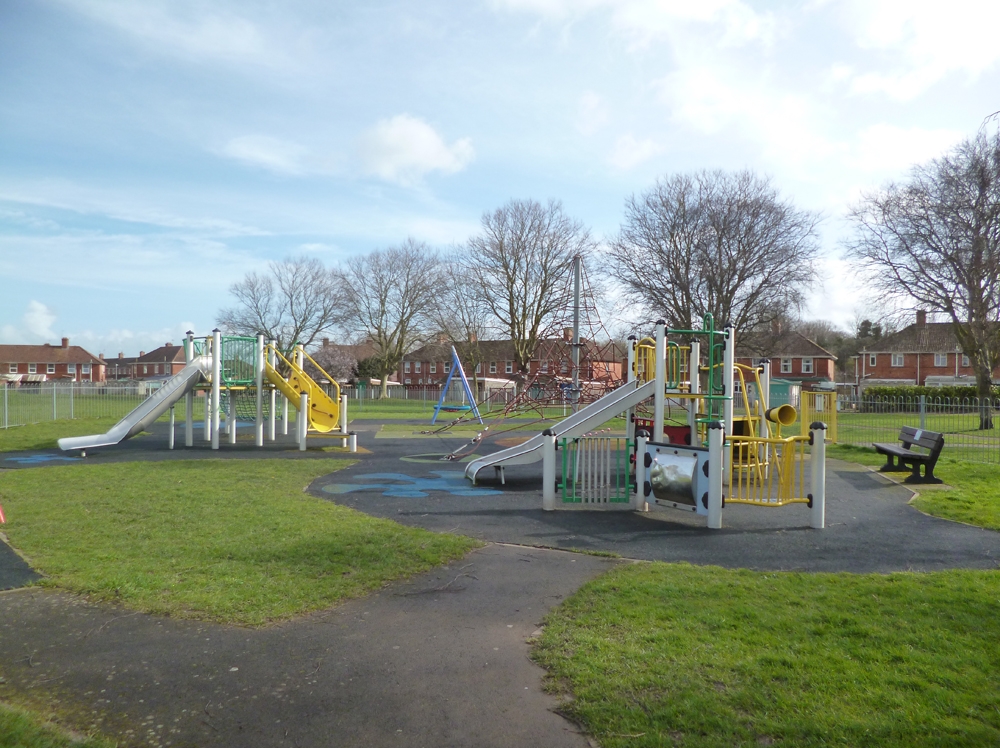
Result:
[6,417]
[258,367]
[302,420]
[765,396]
[343,417]
[923,412]
[661,380]
[639,500]
[284,415]
[716,447]
[630,378]
[352,442]
[577,272]
[232,418]
[72,415]
[271,414]
[55,416]
[817,499]
[548,470]
[694,376]
[728,382]
[170,438]
[216,386]
[189,397]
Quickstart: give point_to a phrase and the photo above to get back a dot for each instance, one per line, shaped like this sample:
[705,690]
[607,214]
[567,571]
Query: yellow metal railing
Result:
[820,406]
[767,472]
[677,362]
[324,407]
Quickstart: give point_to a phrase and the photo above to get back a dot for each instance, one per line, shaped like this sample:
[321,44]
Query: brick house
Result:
[431,363]
[29,364]
[923,353]
[793,357]
[161,363]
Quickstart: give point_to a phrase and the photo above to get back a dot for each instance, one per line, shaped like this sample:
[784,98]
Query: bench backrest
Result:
[931,440]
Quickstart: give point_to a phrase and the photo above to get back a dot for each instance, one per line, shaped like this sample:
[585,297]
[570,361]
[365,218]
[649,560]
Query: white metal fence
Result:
[52,401]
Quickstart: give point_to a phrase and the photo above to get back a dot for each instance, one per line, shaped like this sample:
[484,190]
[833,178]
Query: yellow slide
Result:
[324,411]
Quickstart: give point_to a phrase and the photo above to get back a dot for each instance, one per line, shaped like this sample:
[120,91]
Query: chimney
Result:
[326,342]
[921,318]
[121,355]
[568,334]
[142,353]
[65,342]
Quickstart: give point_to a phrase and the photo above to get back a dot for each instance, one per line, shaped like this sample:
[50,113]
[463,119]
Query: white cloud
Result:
[887,148]
[36,326]
[592,113]
[923,42]
[405,148]
[270,153]
[628,152]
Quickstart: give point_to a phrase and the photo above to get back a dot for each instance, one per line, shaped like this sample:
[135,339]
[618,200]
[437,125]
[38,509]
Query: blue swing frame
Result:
[456,365]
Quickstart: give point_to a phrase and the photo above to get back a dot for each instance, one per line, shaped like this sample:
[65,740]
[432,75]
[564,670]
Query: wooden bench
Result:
[899,459]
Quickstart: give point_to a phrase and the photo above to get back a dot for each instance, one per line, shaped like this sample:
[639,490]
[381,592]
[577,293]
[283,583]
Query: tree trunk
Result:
[984,389]
[383,392]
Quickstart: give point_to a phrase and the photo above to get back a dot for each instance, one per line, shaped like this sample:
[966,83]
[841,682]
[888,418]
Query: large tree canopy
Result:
[522,260]
[295,301]
[390,294]
[716,242]
[935,240]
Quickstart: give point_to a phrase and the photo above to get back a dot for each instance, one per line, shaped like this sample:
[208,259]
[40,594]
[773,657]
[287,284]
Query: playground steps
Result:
[324,411]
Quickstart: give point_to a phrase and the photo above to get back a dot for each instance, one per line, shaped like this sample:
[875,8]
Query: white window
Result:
[416,366]
[406,367]
[493,367]
[420,381]
[965,360]
[157,370]
[807,366]
[545,366]
[145,370]
[85,369]
[434,367]
[12,368]
[940,359]
[564,367]
[71,368]
[406,381]
[897,359]
[32,368]
[786,366]
[872,358]
[509,368]
[479,368]
[447,368]
[50,368]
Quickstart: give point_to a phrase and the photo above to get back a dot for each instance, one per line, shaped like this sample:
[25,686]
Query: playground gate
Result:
[820,406]
[596,470]
[768,472]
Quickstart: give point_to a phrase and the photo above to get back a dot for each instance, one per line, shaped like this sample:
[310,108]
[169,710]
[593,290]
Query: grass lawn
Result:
[22,729]
[46,434]
[670,654]
[234,541]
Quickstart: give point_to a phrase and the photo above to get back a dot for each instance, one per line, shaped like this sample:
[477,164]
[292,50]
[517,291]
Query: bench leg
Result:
[928,476]
[892,465]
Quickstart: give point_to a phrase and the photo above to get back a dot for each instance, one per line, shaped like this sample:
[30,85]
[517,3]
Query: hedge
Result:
[932,393]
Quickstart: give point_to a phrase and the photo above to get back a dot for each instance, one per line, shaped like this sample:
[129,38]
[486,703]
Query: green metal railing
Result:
[596,469]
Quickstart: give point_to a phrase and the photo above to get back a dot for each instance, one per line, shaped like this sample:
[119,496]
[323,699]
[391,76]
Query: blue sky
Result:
[151,153]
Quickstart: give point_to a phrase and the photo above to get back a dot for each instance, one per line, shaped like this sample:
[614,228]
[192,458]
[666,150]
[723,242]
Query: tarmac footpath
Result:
[439,660]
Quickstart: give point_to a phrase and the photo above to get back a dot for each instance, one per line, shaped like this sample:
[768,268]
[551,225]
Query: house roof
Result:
[927,338]
[168,352]
[784,345]
[47,354]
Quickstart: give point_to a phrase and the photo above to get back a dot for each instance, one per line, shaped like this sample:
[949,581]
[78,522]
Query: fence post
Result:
[716,445]
[71,413]
[213,426]
[55,416]
[6,420]
[923,412]
[548,470]
[817,499]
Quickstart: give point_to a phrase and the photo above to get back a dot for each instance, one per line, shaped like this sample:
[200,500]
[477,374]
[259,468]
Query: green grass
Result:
[658,654]
[45,435]
[22,729]
[234,541]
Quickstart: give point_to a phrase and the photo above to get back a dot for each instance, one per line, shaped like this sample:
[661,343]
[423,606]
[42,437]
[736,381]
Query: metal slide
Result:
[324,411]
[584,420]
[148,411]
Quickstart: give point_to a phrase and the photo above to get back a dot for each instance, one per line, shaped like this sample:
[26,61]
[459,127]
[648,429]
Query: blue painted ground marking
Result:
[408,487]
[35,459]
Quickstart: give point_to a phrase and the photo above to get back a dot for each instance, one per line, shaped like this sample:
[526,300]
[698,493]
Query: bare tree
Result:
[716,242]
[295,301]
[390,295]
[522,261]
[935,240]
[461,313]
